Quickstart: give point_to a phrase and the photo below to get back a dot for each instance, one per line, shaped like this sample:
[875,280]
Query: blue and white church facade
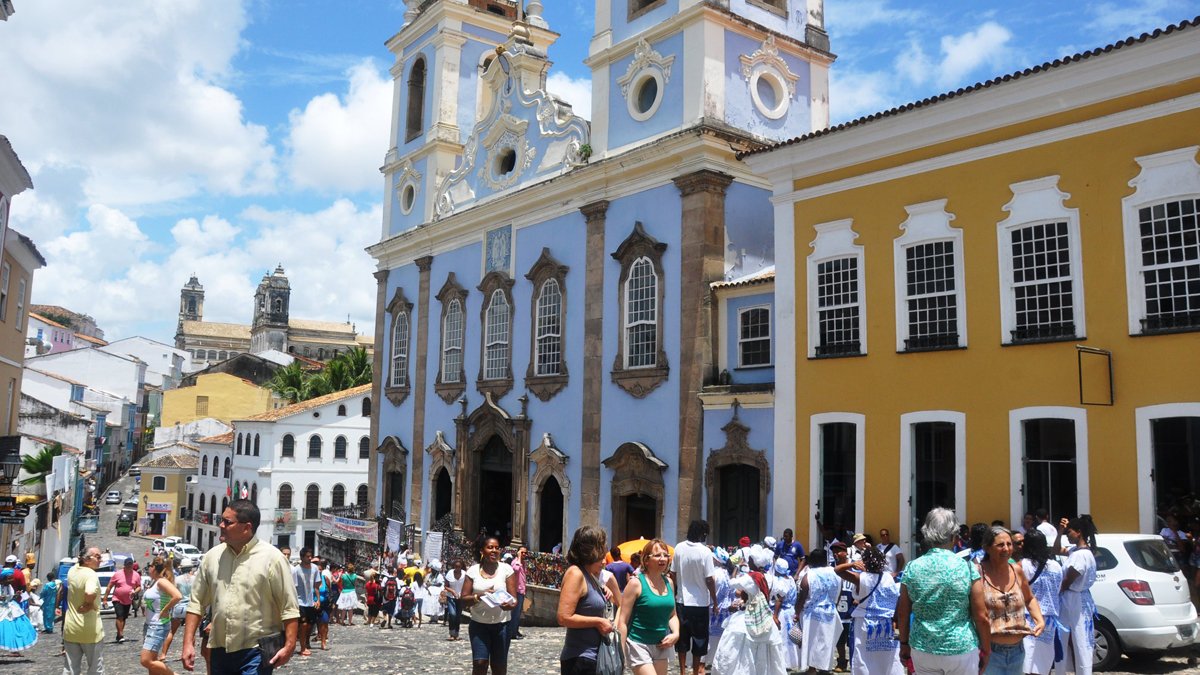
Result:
[575,320]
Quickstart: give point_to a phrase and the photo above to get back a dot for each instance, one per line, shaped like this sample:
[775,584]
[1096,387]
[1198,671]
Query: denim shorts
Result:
[1006,660]
[489,642]
[156,634]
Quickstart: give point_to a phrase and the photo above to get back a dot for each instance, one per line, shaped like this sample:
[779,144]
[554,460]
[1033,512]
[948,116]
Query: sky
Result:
[167,138]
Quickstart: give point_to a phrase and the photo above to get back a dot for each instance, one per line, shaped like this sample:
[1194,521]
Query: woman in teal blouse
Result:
[949,631]
[649,625]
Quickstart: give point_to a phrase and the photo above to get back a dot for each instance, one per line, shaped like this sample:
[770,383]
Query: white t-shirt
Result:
[480,612]
[889,551]
[1083,561]
[1050,531]
[456,584]
[692,566]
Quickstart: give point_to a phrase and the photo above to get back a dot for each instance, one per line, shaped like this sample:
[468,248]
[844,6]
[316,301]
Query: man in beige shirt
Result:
[82,629]
[248,586]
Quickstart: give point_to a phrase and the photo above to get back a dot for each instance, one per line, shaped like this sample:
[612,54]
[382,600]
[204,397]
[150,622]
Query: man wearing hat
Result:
[18,578]
[845,605]
[858,543]
[121,587]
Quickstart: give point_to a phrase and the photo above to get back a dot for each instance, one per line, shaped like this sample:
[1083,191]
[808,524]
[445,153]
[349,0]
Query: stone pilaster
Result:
[381,278]
[420,385]
[702,262]
[593,362]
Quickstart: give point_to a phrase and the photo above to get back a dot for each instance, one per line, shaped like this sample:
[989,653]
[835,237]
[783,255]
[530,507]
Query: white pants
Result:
[937,664]
[1075,611]
[75,654]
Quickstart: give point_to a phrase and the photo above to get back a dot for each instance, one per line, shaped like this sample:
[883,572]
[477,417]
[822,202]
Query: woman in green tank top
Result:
[648,622]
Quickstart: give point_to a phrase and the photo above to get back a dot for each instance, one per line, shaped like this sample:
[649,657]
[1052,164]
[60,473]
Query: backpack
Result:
[389,589]
[407,599]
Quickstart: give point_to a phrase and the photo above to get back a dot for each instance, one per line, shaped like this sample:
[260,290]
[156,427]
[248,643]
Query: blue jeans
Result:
[1006,660]
[453,616]
[242,662]
[514,622]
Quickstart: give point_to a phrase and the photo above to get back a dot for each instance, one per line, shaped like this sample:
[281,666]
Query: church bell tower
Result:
[269,330]
[191,307]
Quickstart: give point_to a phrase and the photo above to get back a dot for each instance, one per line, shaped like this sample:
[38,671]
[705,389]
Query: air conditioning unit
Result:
[192,480]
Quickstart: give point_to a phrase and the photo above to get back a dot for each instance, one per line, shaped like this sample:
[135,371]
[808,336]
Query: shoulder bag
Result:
[610,660]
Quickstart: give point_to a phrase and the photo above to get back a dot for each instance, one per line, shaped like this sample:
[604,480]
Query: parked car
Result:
[1142,598]
[135,470]
[131,503]
[105,572]
[112,497]
[184,551]
[161,546]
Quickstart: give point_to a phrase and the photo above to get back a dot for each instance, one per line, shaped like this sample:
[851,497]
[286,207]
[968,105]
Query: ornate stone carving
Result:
[441,456]
[397,391]
[505,136]
[550,461]
[737,450]
[636,471]
[408,176]
[546,385]
[644,56]
[394,453]
[474,432]
[767,56]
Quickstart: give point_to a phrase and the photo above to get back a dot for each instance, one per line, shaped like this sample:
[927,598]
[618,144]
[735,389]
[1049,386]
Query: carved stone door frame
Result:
[395,460]
[551,463]
[737,450]
[636,471]
[474,430]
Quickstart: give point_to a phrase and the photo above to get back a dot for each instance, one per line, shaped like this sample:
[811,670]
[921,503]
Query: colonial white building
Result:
[292,462]
[208,490]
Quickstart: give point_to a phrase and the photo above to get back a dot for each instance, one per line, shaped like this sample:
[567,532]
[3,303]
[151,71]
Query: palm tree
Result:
[290,382]
[40,465]
[344,371]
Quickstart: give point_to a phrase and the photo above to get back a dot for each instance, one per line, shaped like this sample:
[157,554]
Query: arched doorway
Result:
[739,502]
[443,494]
[495,489]
[641,517]
[550,509]
[638,492]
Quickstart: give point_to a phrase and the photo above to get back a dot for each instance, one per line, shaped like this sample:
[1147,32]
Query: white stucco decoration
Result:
[647,64]
[408,186]
[765,65]
[507,135]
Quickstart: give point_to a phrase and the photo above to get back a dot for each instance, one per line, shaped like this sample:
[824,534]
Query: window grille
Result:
[1043,292]
[289,446]
[641,315]
[339,448]
[312,502]
[496,350]
[1169,236]
[549,329]
[932,304]
[364,448]
[452,343]
[314,446]
[838,307]
[285,496]
[400,349]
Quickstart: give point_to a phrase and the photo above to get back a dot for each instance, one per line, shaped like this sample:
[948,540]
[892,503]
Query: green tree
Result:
[39,465]
[344,371]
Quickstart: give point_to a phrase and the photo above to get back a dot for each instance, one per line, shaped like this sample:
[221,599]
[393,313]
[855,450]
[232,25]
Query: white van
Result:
[1142,598]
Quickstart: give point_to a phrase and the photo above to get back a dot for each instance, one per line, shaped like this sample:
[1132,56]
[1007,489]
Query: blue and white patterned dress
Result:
[1039,651]
[1075,611]
[876,649]
[16,631]
[821,623]
[784,589]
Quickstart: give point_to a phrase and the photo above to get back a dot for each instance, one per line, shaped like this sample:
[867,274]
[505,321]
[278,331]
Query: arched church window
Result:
[547,372]
[414,122]
[641,363]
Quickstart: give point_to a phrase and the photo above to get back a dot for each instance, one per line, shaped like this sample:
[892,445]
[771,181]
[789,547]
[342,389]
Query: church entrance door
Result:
[641,517]
[739,517]
[442,495]
[550,512]
[495,490]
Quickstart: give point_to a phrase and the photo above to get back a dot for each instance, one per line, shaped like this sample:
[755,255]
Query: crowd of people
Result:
[983,599]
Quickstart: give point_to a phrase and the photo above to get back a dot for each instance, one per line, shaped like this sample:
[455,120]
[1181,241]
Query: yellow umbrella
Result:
[636,546]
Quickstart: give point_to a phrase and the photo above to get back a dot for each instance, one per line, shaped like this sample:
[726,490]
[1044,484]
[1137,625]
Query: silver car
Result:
[1142,598]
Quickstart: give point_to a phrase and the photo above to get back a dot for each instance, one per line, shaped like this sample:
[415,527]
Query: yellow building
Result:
[220,396]
[164,489]
[993,298]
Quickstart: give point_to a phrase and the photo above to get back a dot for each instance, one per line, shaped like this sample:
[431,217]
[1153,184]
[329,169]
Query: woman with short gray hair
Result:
[949,632]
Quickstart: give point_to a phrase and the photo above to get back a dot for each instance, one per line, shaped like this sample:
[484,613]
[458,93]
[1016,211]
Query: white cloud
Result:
[854,94]
[131,93]
[577,92]
[1138,16]
[966,53]
[338,144]
[845,18]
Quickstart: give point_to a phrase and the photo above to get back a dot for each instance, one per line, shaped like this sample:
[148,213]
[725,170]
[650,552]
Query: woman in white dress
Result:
[1045,580]
[1076,607]
[783,603]
[819,618]
[876,649]
[347,602]
[718,619]
[435,583]
[751,643]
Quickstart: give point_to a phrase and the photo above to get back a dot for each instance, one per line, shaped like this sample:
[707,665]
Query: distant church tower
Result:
[269,330]
[191,306]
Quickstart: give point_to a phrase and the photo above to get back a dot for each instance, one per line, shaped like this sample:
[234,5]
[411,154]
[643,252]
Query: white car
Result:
[161,546]
[1142,598]
[187,552]
[112,497]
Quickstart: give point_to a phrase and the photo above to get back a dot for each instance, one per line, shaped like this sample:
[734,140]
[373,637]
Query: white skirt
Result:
[820,643]
[875,654]
[739,653]
[1039,651]
[347,600]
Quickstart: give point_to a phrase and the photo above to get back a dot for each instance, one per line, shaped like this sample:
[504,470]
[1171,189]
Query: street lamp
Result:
[10,464]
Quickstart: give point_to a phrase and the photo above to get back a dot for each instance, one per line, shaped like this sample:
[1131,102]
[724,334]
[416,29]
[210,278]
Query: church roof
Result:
[94,340]
[220,439]
[173,459]
[215,329]
[763,276]
[328,326]
[304,406]
[46,321]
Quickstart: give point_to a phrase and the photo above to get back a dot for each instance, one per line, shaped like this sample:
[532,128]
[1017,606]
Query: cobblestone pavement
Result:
[359,649]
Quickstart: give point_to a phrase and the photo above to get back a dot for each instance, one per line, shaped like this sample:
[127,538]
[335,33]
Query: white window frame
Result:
[907,422]
[1165,177]
[835,239]
[399,360]
[22,289]
[497,348]
[1147,514]
[928,223]
[1016,453]
[5,274]
[769,337]
[652,321]
[154,483]
[814,461]
[1038,202]
[448,347]
[542,334]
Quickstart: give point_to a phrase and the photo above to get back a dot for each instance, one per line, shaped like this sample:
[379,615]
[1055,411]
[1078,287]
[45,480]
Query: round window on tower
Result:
[408,197]
[769,93]
[646,94]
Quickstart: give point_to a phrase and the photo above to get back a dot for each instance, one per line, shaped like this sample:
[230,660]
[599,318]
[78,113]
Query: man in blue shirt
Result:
[790,550]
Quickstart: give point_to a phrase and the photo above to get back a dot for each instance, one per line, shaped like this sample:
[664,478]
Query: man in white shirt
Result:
[1046,527]
[694,574]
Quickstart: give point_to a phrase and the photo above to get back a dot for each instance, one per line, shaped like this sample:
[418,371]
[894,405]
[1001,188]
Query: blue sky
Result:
[221,137]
